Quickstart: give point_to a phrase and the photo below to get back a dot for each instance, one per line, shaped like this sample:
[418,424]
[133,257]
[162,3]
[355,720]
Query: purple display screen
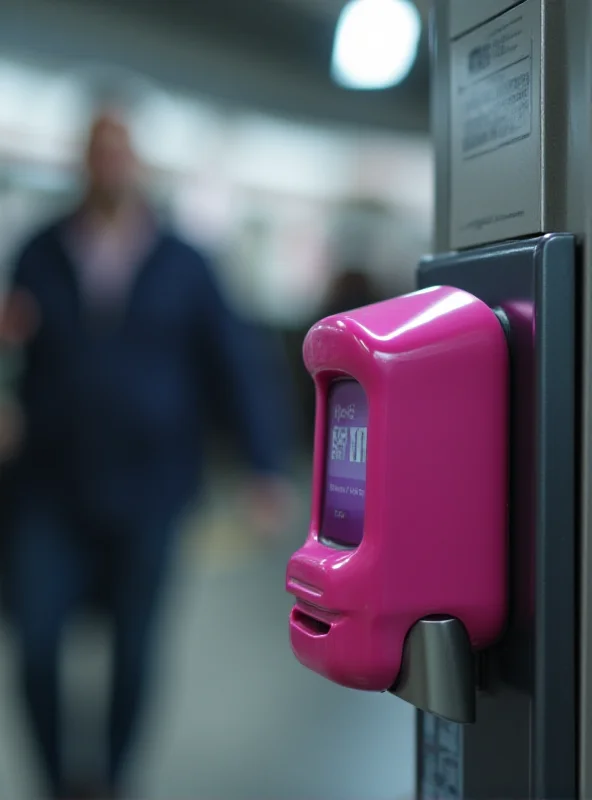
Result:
[345,475]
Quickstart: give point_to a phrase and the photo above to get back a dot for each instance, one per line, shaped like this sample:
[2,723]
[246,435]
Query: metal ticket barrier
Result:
[449,557]
[511,122]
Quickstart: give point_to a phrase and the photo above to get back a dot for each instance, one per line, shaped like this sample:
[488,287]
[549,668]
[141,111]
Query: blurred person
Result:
[126,339]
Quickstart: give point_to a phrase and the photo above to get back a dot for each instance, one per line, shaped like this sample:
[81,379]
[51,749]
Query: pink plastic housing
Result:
[434,365]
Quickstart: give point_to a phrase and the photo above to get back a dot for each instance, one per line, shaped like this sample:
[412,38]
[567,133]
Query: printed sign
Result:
[495,97]
[496,138]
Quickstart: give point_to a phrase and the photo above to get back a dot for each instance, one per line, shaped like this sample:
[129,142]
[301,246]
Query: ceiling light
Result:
[376,43]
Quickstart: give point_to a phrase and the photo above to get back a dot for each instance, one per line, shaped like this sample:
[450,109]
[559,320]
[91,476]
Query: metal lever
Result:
[438,671]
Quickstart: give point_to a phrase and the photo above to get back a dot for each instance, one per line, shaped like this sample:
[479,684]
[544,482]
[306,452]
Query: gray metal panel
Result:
[440,115]
[567,114]
[467,14]
[556,633]
[524,742]
[574,190]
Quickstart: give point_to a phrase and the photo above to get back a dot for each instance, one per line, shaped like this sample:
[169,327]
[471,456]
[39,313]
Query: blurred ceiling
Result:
[271,55]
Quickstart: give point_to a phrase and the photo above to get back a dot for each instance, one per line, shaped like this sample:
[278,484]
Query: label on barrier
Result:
[496,132]
[497,107]
[441,759]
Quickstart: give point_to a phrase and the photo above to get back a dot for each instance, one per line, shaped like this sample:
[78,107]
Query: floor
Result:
[233,716]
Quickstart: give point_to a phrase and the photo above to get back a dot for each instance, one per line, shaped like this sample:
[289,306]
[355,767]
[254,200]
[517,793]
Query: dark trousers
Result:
[54,566]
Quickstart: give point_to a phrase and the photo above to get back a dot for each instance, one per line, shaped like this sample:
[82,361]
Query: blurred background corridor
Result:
[233,714]
[308,198]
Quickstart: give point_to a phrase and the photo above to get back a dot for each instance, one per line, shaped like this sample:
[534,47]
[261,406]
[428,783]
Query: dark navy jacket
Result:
[118,407]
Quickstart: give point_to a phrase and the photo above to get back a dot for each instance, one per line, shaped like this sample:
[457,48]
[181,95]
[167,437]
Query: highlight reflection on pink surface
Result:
[434,368]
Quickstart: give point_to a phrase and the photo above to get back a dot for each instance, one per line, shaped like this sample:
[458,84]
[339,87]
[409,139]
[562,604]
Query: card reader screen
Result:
[345,478]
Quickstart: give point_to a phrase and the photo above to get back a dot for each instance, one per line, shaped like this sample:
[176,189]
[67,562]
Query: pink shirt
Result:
[109,255]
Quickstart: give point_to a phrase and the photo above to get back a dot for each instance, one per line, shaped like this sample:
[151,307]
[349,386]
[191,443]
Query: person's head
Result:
[111,162]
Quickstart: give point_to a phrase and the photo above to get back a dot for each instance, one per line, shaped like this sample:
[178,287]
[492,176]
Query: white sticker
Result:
[495,90]
[496,130]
